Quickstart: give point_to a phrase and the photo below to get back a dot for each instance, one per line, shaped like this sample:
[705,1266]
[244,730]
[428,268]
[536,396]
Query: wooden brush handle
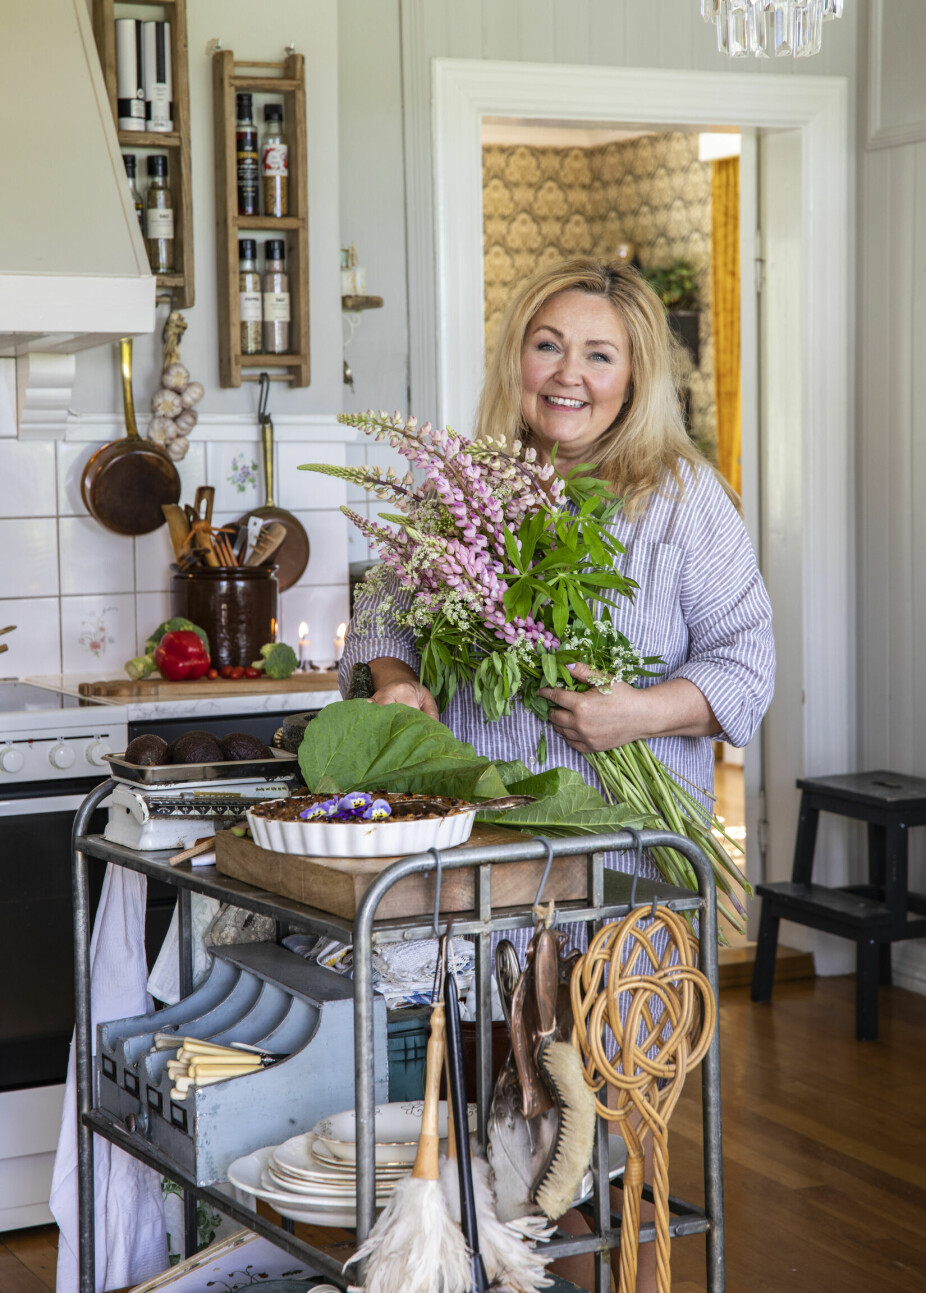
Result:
[426,1160]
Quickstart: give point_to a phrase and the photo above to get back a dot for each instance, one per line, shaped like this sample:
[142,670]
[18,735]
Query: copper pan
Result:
[292,556]
[126,483]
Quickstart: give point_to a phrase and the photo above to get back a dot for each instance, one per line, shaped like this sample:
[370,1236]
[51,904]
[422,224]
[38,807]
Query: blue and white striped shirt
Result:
[701,606]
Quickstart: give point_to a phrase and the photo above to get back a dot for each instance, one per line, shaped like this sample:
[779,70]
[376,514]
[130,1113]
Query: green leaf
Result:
[550,670]
[512,771]
[565,805]
[356,745]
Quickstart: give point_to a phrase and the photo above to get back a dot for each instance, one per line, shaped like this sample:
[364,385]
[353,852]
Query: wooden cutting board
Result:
[161,689]
[338,884]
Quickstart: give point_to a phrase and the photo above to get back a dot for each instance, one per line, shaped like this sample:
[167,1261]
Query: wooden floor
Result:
[824,1151]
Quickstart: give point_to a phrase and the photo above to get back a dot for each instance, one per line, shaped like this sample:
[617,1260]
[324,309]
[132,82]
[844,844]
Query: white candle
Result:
[303,645]
[339,641]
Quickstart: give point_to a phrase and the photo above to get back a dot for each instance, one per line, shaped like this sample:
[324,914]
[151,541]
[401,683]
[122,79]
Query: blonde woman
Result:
[584,369]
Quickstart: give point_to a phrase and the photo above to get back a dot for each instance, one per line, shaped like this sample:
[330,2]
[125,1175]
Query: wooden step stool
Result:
[875,914]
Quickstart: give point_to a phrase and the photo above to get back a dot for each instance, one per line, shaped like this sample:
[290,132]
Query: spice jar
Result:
[275,163]
[275,298]
[128,160]
[247,157]
[249,302]
[159,216]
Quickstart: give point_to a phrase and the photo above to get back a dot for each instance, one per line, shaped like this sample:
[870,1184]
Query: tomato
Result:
[235,672]
[226,670]
[212,673]
[251,672]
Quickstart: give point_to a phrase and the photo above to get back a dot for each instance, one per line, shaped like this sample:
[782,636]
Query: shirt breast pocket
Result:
[653,621]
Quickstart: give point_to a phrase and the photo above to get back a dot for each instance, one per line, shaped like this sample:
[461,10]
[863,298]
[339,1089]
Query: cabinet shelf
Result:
[228,79]
[181,282]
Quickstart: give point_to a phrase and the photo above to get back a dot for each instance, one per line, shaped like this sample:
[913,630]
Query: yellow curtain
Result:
[725,314]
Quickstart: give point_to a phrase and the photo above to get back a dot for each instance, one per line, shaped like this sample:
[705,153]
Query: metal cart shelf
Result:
[608,898]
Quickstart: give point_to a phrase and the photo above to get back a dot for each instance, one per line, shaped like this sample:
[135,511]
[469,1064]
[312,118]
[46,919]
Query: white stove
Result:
[48,734]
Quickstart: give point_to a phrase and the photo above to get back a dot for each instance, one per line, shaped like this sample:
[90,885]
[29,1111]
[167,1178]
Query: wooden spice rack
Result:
[175,143]
[286,80]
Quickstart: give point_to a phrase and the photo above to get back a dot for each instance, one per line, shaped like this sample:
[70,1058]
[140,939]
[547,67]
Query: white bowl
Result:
[361,839]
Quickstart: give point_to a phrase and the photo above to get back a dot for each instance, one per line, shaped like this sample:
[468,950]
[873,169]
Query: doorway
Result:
[805,505]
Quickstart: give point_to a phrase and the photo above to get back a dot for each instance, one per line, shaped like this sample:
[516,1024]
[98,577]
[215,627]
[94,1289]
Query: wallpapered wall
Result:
[543,204]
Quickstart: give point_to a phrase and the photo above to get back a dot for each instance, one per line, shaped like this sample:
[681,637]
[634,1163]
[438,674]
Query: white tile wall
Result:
[29,556]
[85,599]
[27,469]
[97,633]
[93,560]
[35,647]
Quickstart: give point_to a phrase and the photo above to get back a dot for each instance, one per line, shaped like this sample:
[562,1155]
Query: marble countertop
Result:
[217,706]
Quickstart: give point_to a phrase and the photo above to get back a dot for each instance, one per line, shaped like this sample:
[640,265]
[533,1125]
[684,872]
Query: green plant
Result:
[676,285]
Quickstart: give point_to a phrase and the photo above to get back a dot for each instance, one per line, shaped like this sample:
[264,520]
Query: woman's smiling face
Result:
[575,373]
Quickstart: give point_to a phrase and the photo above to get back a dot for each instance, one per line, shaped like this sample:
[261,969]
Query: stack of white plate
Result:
[313,1177]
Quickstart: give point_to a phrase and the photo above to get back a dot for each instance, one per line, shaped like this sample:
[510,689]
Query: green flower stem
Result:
[633,775]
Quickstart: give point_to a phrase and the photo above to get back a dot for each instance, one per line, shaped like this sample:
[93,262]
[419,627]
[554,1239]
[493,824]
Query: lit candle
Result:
[303,645]
[339,641]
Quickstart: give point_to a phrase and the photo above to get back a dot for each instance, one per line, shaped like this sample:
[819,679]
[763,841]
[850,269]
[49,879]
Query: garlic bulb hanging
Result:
[172,406]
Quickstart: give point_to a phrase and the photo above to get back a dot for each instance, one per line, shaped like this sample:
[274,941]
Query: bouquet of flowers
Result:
[509,571]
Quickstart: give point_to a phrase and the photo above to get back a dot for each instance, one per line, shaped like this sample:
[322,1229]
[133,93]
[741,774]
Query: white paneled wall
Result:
[892,416]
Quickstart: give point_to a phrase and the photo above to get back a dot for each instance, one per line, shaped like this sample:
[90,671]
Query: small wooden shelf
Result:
[180,283]
[351,304]
[228,79]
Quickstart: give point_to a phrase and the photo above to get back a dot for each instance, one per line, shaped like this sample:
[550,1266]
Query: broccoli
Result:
[277,660]
[142,666]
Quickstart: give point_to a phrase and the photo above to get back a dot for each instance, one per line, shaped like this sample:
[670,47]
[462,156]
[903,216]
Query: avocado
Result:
[147,751]
[241,745]
[196,747]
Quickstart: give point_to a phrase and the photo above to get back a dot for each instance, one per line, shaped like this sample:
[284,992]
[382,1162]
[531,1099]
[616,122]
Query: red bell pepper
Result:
[181,656]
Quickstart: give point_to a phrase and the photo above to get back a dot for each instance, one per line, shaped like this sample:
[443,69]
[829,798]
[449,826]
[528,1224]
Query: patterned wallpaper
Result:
[543,204]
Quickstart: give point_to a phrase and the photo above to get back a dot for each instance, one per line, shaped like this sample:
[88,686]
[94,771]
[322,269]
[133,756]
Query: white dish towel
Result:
[131,1238]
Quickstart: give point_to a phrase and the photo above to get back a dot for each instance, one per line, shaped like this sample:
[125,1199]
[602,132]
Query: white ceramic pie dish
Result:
[361,839]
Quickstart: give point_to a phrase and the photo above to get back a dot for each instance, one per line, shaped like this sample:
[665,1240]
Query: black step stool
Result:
[875,914]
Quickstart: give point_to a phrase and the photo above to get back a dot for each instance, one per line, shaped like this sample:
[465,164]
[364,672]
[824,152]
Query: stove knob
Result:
[11,759]
[95,752]
[61,756]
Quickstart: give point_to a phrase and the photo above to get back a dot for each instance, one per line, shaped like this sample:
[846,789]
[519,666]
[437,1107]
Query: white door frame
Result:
[820,523]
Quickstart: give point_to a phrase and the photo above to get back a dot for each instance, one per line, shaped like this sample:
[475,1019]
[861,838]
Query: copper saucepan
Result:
[126,483]
[292,556]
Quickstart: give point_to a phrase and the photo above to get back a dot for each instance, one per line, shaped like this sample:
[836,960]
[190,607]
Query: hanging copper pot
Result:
[126,483]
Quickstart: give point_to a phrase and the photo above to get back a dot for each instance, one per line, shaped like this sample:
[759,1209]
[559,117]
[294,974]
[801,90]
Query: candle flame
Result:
[342,629]
[303,630]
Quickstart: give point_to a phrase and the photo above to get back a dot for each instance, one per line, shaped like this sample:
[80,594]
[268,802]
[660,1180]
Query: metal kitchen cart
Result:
[608,898]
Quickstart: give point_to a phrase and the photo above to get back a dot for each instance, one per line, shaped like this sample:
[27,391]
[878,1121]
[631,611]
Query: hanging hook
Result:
[263,398]
[638,860]
[539,839]
[440,862]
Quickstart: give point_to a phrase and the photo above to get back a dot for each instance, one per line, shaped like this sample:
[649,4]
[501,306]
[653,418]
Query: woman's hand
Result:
[397,684]
[591,721]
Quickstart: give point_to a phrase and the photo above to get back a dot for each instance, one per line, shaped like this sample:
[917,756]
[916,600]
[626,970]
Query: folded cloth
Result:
[404,972]
[131,1240]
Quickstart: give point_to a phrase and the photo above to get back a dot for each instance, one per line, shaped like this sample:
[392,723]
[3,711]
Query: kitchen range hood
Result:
[73,267]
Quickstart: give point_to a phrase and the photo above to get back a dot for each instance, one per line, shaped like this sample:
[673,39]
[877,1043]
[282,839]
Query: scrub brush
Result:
[416,1246]
[564,1077]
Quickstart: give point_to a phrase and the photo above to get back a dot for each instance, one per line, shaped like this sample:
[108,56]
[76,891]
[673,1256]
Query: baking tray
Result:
[282,764]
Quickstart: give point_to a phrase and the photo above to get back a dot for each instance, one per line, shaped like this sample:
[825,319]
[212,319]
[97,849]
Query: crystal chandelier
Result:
[769,27]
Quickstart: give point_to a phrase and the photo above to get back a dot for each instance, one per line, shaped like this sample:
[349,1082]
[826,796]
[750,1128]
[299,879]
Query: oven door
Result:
[37,943]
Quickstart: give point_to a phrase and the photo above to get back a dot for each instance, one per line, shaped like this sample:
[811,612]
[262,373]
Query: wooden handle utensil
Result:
[269,539]
[426,1160]
[178,527]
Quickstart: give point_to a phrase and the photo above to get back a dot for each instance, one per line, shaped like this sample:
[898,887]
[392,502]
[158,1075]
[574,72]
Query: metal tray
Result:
[281,765]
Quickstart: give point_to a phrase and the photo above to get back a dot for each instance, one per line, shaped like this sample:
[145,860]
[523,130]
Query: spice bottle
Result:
[137,200]
[249,297]
[159,216]
[275,294]
[247,156]
[275,163]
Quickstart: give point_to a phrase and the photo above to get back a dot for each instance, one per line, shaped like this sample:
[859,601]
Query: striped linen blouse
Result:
[701,606]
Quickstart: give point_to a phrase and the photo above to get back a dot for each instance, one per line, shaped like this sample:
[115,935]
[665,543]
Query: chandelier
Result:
[764,28]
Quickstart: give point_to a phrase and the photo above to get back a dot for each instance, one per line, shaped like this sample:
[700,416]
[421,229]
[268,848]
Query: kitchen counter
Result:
[244,697]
